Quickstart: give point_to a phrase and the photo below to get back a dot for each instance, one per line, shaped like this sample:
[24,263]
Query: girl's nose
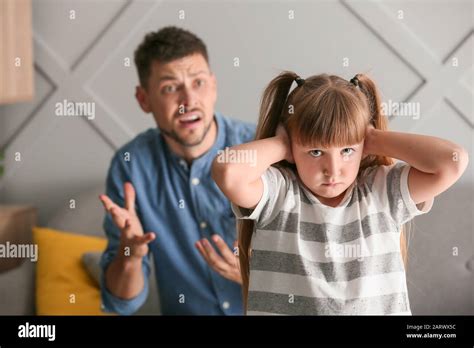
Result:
[332,168]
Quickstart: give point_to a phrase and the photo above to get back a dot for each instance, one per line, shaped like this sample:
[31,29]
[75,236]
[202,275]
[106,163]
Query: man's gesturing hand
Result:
[126,219]
[227,264]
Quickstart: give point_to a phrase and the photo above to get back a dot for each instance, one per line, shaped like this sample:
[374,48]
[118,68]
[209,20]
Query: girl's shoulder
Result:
[286,173]
[380,173]
[281,178]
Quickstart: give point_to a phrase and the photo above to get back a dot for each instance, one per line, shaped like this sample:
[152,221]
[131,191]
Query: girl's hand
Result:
[368,140]
[282,134]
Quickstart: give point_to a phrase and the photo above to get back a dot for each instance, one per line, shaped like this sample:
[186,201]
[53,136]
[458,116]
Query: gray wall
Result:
[410,47]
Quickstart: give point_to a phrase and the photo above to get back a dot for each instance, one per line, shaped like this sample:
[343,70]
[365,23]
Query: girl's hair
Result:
[323,110]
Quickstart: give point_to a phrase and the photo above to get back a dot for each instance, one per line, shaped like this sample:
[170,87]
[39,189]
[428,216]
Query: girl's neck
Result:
[331,202]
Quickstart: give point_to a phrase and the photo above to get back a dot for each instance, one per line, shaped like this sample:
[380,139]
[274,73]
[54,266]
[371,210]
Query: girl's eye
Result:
[348,151]
[315,153]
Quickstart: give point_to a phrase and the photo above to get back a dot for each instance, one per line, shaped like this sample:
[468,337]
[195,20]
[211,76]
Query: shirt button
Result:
[195,181]
[203,224]
[225,305]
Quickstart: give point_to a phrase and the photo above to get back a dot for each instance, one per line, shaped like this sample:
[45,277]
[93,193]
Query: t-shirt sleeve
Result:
[275,187]
[390,184]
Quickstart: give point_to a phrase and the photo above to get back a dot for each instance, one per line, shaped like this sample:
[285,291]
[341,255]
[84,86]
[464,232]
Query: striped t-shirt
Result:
[311,259]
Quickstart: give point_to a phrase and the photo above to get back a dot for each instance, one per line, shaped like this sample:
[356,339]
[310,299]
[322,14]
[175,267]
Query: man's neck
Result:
[189,153]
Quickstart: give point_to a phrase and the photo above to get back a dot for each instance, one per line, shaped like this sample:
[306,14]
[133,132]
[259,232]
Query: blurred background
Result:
[419,52]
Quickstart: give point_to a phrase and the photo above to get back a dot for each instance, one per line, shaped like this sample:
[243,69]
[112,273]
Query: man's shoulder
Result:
[141,144]
[238,131]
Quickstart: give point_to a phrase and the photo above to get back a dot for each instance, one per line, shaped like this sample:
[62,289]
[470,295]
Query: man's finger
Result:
[118,216]
[107,202]
[216,261]
[203,252]
[225,251]
[129,196]
[127,229]
[145,239]
[229,273]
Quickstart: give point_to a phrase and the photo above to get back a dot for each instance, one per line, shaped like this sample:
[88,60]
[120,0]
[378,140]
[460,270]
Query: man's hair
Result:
[166,45]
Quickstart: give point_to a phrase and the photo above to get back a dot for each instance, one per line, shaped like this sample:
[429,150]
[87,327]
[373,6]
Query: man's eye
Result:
[169,89]
[199,82]
[315,153]
[347,151]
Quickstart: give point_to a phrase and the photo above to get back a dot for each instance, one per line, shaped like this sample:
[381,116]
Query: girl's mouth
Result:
[331,184]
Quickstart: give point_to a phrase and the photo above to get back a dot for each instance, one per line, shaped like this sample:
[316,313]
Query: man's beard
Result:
[173,135]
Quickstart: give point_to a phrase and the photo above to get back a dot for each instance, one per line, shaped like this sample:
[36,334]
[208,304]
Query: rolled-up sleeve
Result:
[116,177]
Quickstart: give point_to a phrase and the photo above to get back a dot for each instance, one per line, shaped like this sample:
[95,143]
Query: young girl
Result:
[323,207]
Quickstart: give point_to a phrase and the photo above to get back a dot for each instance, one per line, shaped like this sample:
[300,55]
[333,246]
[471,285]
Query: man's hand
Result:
[226,264]
[126,219]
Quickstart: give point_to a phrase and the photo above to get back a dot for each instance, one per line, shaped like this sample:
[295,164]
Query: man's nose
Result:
[188,97]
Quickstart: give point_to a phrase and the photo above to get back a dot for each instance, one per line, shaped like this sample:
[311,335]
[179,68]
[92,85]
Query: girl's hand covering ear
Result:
[282,134]
[367,140]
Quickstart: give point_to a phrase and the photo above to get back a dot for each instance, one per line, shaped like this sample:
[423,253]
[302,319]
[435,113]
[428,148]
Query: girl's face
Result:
[328,172]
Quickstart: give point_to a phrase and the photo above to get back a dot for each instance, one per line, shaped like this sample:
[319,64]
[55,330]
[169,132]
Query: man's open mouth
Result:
[189,119]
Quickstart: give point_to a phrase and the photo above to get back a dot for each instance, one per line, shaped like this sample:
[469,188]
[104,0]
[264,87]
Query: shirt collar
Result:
[206,157]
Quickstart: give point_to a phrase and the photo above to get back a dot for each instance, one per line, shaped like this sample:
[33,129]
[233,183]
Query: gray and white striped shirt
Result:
[311,259]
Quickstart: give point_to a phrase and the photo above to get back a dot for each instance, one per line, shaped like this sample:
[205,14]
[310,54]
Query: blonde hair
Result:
[323,110]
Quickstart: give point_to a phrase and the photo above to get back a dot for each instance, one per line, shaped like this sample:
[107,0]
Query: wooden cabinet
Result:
[16,224]
[16,51]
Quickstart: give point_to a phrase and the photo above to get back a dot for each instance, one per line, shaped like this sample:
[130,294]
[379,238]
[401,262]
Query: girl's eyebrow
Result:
[325,148]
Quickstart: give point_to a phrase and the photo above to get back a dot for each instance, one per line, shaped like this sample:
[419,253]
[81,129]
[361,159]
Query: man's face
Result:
[328,172]
[181,95]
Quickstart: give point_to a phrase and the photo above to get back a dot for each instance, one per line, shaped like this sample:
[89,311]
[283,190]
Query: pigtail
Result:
[273,103]
[271,114]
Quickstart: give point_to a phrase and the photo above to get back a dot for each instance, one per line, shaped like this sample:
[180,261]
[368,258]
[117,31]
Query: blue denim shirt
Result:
[181,204]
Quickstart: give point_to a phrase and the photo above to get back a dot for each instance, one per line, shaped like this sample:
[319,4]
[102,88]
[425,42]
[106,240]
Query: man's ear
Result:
[142,98]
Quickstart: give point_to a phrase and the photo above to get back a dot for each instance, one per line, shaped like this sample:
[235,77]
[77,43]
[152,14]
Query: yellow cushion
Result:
[63,286]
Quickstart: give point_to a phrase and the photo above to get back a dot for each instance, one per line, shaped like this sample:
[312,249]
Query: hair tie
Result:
[299,81]
[355,81]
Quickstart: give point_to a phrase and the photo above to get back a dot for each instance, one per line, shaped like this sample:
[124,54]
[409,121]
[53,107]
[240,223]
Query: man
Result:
[160,183]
